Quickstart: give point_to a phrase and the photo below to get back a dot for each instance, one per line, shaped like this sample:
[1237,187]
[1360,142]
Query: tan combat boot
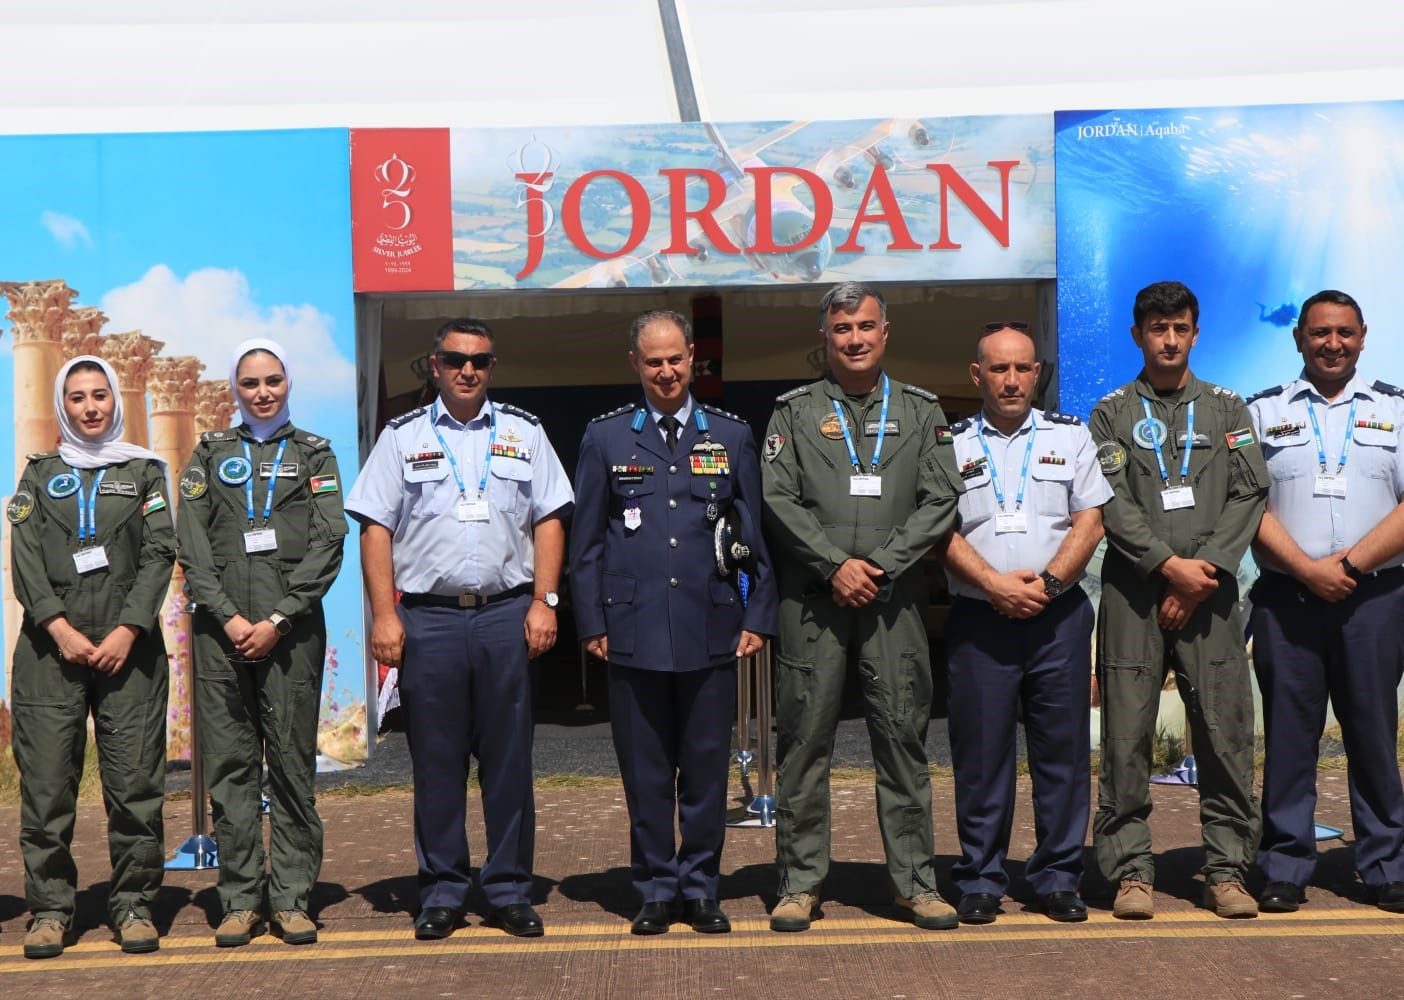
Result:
[238,927]
[929,911]
[794,911]
[137,934]
[1230,899]
[1134,900]
[295,927]
[45,939]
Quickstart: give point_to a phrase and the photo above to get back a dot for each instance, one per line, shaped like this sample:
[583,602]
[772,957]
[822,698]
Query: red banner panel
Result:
[401,210]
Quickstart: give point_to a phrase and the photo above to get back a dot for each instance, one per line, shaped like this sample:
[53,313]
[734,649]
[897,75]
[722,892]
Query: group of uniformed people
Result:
[689,548]
[94,543]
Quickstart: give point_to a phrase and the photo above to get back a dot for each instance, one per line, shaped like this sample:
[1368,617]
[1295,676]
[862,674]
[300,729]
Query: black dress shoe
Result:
[517,919]
[705,916]
[654,918]
[1390,897]
[978,908]
[1065,907]
[1280,897]
[435,922]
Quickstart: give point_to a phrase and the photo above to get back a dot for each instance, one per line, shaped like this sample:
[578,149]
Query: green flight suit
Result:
[814,524]
[53,697]
[1229,479]
[252,712]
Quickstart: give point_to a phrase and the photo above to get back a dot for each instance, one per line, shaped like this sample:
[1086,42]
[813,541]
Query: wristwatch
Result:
[1052,586]
[1351,570]
[282,624]
[548,597]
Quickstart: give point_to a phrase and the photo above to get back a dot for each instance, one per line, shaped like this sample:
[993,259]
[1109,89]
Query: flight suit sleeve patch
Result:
[1240,438]
[1111,456]
[324,484]
[193,483]
[153,503]
[944,435]
[19,508]
[774,444]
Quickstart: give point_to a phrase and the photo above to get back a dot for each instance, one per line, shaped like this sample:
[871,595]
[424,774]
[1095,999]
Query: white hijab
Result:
[261,430]
[82,452]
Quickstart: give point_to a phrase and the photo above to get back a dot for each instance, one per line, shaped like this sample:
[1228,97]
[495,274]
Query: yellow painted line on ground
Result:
[751,934]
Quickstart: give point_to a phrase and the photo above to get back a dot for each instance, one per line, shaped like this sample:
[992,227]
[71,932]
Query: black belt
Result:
[1380,574]
[461,600]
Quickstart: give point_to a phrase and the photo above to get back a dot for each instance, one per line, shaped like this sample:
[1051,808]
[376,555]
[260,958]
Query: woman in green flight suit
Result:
[261,530]
[92,547]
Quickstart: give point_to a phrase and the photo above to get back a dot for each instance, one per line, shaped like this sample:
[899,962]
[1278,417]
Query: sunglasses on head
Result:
[457,359]
[1000,324]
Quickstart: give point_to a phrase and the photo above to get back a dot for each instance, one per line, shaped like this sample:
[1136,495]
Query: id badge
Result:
[1010,521]
[864,486]
[472,510]
[1177,497]
[633,517]
[260,540]
[87,560]
[1330,486]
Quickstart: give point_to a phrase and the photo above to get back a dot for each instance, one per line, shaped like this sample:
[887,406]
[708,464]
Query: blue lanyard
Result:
[87,518]
[453,462]
[1159,455]
[1321,445]
[272,482]
[994,470]
[881,434]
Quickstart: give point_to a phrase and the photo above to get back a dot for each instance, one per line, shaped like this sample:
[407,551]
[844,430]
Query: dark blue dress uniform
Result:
[1306,650]
[1045,661]
[643,573]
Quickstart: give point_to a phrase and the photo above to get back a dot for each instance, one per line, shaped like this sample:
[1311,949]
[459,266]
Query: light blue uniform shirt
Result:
[1374,471]
[407,485]
[1064,477]
[684,414]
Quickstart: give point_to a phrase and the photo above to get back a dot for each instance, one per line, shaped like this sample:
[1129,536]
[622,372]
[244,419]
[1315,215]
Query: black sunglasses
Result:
[1012,324]
[457,359]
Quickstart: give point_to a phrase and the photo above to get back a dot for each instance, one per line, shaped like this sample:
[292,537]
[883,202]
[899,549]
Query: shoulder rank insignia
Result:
[1387,389]
[517,411]
[613,413]
[405,418]
[1272,390]
[721,413]
[1114,394]
[798,390]
[39,456]
[312,440]
[1223,390]
[960,426]
[917,390]
[1062,418]
[225,434]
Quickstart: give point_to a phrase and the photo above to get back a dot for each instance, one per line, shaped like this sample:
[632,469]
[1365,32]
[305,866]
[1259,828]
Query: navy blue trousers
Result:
[466,688]
[672,733]
[995,663]
[1306,650]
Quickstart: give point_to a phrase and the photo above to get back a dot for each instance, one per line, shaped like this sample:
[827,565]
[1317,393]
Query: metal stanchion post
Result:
[758,808]
[763,805]
[199,852]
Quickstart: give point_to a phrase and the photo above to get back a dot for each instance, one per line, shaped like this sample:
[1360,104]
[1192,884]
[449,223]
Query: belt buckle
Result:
[471,600]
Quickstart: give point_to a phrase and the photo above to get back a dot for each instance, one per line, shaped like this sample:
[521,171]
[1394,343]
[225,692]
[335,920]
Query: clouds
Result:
[67,231]
[210,311]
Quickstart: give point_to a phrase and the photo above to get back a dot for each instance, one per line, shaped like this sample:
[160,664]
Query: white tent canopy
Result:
[96,66]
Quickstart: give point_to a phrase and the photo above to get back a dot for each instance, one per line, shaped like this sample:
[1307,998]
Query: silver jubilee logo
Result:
[396,242]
